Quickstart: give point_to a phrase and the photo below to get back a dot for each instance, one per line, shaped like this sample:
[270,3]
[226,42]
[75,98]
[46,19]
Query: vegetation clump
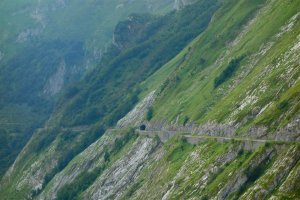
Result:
[149,114]
[228,72]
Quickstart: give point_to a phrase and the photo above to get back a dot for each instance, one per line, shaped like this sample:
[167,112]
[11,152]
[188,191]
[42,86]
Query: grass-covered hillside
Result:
[216,87]
[243,71]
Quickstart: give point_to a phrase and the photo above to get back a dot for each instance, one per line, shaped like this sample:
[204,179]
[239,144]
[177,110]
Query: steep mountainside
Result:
[86,109]
[249,80]
[44,45]
[202,103]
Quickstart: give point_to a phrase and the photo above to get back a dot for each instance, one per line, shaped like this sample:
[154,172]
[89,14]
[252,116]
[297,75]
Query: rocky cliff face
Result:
[136,117]
[146,168]
[115,181]
[179,4]
[56,82]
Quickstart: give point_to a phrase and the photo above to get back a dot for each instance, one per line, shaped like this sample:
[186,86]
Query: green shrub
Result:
[283,106]
[106,156]
[185,120]
[149,114]
[228,72]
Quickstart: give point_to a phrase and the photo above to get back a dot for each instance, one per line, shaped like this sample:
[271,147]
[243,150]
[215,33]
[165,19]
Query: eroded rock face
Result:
[86,161]
[149,5]
[137,115]
[179,4]
[32,176]
[275,175]
[125,31]
[240,178]
[28,34]
[116,179]
[56,82]
[291,184]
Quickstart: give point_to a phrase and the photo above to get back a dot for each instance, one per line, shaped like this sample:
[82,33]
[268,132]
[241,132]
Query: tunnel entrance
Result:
[143,127]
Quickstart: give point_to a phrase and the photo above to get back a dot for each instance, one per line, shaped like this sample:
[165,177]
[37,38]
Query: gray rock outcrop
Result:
[179,4]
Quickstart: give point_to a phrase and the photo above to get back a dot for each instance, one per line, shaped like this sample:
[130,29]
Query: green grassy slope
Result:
[267,72]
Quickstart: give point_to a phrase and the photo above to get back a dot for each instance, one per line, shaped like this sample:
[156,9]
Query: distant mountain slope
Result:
[45,45]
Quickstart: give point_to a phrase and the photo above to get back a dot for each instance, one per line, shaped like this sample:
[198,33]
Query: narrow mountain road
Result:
[239,139]
[165,135]
[73,129]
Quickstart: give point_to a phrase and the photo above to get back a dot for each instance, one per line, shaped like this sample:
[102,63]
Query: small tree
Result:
[106,156]
[228,71]
[149,115]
